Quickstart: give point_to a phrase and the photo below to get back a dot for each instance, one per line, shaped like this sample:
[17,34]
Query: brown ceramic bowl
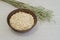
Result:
[22,10]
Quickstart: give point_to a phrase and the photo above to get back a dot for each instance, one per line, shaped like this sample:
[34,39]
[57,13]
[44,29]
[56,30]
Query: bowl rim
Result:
[22,10]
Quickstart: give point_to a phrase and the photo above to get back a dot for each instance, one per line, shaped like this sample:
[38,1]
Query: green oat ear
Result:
[41,13]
